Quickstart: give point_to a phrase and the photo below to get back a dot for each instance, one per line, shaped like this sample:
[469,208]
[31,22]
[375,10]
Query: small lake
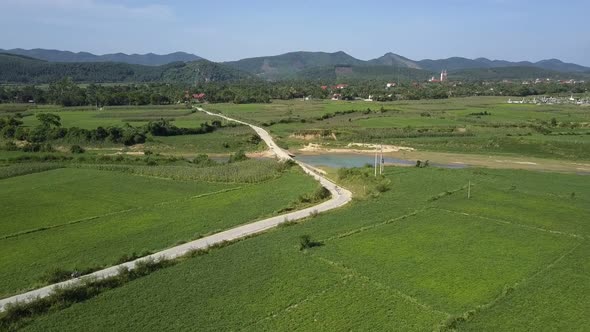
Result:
[348,160]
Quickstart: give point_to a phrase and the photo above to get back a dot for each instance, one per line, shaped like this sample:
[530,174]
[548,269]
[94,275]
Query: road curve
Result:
[340,196]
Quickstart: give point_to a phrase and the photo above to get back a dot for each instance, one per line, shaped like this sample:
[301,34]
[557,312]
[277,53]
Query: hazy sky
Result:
[227,30]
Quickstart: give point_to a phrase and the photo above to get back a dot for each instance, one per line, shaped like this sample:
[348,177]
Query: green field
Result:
[222,141]
[452,125]
[410,253]
[479,125]
[79,219]
[413,258]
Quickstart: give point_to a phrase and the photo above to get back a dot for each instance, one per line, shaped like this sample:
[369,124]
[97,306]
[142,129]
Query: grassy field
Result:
[478,125]
[467,125]
[418,257]
[79,219]
[224,141]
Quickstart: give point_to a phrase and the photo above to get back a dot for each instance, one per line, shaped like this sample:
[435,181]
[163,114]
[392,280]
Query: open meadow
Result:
[420,256]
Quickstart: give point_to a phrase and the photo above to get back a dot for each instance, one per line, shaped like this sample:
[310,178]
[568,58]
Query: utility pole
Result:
[375,163]
[381,161]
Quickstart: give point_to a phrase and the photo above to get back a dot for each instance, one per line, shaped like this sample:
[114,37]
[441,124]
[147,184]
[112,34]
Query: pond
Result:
[347,160]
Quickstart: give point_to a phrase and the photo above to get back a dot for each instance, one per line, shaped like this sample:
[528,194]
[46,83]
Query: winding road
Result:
[340,197]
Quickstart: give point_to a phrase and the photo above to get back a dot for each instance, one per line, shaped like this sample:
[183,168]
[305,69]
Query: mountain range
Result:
[34,65]
[149,59]
[296,61]
[23,69]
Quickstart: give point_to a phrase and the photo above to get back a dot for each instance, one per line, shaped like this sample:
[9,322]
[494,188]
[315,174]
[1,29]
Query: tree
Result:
[48,120]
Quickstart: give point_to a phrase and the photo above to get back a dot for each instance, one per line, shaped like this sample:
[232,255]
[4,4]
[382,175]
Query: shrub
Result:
[10,146]
[321,193]
[382,187]
[305,242]
[77,149]
[238,156]
[56,275]
[285,165]
[37,147]
[254,139]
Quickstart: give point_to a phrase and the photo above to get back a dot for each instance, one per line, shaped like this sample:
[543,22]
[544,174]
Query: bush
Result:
[10,146]
[285,165]
[238,156]
[37,147]
[254,139]
[321,193]
[77,149]
[382,187]
[305,242]
[56,275]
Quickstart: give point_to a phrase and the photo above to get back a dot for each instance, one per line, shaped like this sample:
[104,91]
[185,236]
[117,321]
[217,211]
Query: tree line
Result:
[66,92]
[50,129]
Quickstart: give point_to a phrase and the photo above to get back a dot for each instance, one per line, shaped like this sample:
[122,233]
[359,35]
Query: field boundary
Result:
[371,226]
[452,323]
[295,305]
[507,222]
[354,273]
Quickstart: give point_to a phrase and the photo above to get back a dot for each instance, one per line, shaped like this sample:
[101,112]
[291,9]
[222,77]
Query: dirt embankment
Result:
[355,148]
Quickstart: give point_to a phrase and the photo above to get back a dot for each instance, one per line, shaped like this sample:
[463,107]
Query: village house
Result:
[199,96]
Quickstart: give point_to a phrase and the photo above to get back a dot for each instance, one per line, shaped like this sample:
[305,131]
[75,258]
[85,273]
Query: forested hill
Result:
[287,65]
[302,64]
[22,69]
[25,70]
[149,59]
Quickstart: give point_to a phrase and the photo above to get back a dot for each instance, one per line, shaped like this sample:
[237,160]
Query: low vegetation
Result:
[397,261]
[51,233]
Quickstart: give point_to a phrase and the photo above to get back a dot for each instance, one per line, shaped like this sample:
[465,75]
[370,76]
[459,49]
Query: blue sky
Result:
[229,29]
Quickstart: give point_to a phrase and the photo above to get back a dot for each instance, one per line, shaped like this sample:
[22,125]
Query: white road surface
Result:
[340,197]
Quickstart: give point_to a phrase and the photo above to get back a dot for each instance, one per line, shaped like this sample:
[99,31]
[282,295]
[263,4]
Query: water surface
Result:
[348,160]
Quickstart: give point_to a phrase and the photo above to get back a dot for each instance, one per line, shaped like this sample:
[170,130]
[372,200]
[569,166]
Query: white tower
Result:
[443,75]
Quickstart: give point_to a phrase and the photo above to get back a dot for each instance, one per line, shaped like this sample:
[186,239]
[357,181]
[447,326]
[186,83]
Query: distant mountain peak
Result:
[395,60]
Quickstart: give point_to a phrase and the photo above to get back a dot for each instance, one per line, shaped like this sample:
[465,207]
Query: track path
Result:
[340,197]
